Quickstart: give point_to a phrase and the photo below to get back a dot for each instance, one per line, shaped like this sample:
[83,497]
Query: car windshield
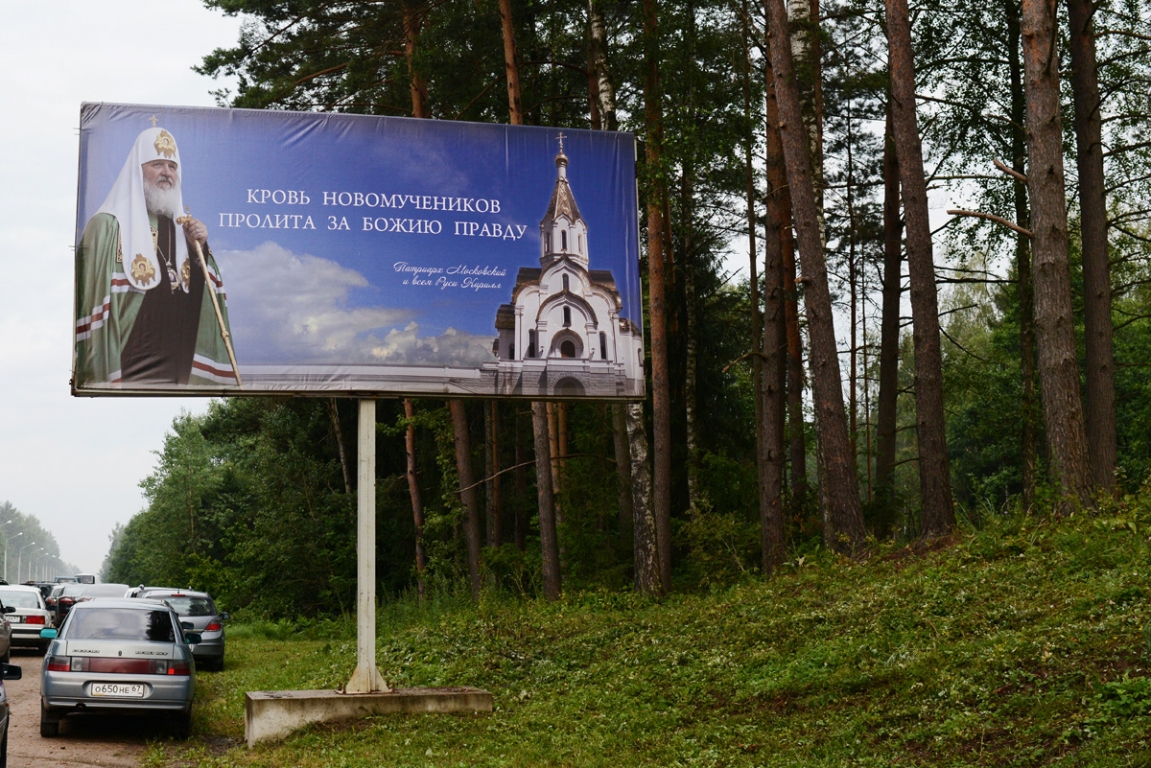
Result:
[18,599]
[121,624]
[190,606]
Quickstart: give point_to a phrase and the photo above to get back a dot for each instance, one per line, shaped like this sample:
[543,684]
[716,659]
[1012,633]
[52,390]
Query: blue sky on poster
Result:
[335,285]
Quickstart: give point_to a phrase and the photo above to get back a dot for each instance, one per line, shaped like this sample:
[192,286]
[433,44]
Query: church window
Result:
[567,316]
[532,343]
[602,345]
[511,351]
[563,239]
[549,240]
[566,286]
[567,348]
[581,243]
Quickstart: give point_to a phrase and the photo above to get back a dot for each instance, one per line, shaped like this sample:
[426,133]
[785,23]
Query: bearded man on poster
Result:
[144,316]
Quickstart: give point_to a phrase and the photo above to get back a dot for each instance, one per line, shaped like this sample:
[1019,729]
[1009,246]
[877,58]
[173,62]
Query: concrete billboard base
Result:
[273,715]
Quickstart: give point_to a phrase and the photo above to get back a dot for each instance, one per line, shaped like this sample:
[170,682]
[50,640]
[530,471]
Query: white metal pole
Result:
[367,677]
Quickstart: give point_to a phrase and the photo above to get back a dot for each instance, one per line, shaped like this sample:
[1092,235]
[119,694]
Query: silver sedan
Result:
[118,655]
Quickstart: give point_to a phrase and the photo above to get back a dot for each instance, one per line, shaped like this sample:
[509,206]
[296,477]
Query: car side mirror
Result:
[11,672]
[48,634]
[226,616]
[9,609]
[192,638]
[187,625]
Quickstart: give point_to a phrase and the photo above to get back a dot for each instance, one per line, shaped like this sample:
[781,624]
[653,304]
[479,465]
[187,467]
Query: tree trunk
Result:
[492,468]
[414,494]
[647,577]
[774,347]
[622,469]
[334,415]
[604,116]
[660,383]
[780,198]
[520,524]
[1100,400]
[1028,406]
[938,513]
[845,532]
[548,540]
[511,68]
[889,338]
[417,85]
[687,207]
[467,492]
[1054,324]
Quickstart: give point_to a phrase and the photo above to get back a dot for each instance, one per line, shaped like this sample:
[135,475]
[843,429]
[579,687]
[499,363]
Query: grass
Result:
[1023,644]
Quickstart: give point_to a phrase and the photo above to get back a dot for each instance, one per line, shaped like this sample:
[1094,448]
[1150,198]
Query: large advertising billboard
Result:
[231,252]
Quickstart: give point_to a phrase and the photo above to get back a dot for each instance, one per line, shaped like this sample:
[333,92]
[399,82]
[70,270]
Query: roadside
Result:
[106,741]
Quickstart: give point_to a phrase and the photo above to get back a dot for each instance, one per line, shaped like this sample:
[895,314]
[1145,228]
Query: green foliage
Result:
[1005,647]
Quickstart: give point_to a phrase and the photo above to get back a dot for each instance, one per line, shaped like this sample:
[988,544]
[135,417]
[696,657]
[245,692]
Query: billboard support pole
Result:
[367,677]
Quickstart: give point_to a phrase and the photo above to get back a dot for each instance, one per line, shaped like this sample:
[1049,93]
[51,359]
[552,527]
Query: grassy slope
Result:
[1019,645]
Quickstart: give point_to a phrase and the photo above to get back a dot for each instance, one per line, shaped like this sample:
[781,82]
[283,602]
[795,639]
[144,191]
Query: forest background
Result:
[795,406]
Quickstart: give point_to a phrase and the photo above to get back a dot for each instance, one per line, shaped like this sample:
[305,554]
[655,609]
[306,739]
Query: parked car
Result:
[29,615]
[50,599]
[198,613]
[142,591]
[117,655]
[7,672]
[5,635]
[76,593]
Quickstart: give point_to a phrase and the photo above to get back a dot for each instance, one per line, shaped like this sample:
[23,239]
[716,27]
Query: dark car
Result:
[76,593]
[198,613]
[120,655]
[7,672]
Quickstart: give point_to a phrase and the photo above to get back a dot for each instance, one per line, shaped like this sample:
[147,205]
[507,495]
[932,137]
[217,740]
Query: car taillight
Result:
[117,666]
[180,668]
[66,601]
[34,620]
[215,626]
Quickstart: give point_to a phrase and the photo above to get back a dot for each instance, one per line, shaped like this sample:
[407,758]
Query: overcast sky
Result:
[76,463]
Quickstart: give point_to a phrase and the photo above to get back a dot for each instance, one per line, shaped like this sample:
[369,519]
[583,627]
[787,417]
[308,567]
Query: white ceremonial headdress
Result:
[126,202]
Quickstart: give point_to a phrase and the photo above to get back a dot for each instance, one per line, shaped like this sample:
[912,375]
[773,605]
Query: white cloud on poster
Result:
[293,308]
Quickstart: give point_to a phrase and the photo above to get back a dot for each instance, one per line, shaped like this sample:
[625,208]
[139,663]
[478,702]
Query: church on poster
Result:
[562,334]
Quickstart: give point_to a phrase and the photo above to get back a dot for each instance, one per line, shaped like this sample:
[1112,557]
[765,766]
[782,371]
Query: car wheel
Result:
[49,722]
[4,749]
[181,725]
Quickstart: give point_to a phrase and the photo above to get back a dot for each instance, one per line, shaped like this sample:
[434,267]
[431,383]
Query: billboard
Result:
[231,252]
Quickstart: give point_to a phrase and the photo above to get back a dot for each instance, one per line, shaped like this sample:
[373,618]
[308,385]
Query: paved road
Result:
[103,741]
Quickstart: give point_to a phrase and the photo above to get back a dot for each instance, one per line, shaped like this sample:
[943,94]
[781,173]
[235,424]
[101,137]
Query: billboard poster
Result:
[233,252]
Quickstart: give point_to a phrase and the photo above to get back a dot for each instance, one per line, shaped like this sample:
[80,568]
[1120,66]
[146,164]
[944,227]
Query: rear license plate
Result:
[117,690]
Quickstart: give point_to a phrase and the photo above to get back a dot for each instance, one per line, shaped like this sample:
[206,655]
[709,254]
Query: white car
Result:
[27,615]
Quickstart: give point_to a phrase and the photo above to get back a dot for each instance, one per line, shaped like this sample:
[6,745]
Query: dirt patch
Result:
[92,741]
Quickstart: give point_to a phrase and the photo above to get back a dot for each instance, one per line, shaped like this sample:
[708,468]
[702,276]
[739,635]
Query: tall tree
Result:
[657,288]
[938,516]
[1054,323]
[889,335]
[541,424]
[467,492]
[1097,338]
[414,494]
[777,240]
[845,531]
[1029,424]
